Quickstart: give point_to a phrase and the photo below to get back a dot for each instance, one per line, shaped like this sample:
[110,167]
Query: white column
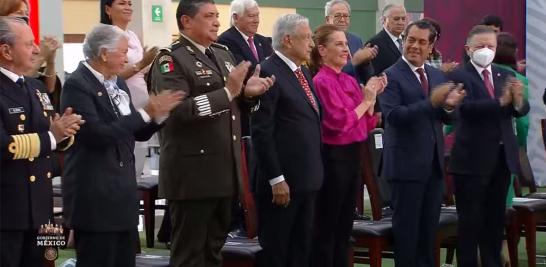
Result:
[153,33]
[51,24]
[536,67]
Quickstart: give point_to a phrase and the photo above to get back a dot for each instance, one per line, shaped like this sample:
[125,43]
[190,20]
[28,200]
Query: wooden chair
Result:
[237,252]
[376,235]
[148,191]
[531,208]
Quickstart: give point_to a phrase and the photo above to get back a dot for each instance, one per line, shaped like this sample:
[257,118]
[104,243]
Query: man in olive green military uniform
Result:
[200,142]
[29,131]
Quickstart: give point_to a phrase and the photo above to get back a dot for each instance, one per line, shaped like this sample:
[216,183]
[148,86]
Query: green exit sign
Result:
[157,13]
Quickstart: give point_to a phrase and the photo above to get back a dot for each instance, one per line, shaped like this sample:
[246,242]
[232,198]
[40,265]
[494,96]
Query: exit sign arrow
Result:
[157,13]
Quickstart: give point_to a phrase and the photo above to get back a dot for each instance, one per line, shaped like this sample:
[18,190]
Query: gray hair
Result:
[387,9]
[330,4]
[239,7]
[102,36]
[286,25]
[7,34]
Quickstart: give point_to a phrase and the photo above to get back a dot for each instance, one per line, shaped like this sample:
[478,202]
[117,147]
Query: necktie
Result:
[400,45]
[21,83]
[488,84]
[306,88]
[210,55]
[253,48]
[423,80]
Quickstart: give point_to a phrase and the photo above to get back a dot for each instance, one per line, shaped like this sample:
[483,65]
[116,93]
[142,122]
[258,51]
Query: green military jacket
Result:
[200,141]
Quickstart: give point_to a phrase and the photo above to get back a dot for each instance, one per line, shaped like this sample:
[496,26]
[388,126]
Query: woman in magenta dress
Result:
[346,120]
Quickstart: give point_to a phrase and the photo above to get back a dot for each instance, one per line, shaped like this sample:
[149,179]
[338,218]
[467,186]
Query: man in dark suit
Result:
[27,139]
[200,164]
[287,143]
[485,151]
[245,44]
[338,12]
[389,40]
[415,102]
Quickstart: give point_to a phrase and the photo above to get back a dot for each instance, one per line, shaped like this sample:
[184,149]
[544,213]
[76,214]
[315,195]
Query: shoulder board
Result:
[165,49]
[221,46]
[175,45]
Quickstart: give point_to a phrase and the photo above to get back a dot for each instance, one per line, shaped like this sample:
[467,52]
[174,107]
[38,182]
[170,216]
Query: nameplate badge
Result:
[16,110]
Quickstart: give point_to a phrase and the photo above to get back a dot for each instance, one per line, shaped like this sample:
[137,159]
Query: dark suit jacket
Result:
[200,143]
[286,132]
[238,46]
[413,129]
[483,124]
[26,200]
[240,49]
[99,181]
[363,72]
[388,52]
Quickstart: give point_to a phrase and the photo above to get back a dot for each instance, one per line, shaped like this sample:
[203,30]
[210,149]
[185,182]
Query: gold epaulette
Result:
[25,146]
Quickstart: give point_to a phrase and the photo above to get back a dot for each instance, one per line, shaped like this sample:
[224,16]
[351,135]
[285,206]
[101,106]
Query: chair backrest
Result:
[527,178]
[246,196]
[378,188]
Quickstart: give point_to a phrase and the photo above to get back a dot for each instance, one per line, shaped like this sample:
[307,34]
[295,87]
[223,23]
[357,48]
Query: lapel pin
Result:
[99,93]
[21,128]
[498,74]
[22,117]
[198,64]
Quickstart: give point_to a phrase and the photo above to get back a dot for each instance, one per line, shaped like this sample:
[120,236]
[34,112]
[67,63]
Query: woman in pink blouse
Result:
[347,118]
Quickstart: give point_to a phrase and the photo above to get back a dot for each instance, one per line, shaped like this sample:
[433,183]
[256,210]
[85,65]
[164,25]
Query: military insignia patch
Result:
[44,99]
[203,73]
[229,66]
[166,64]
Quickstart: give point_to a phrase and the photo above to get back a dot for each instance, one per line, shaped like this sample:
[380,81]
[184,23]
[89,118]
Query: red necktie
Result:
[423,80]
[488,84]
[253,48]
[305,85]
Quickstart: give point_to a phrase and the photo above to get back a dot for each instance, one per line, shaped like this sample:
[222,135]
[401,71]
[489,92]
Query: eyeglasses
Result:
[341,16]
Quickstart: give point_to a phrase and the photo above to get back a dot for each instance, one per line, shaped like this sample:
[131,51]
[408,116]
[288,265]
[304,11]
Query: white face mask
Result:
[483,57]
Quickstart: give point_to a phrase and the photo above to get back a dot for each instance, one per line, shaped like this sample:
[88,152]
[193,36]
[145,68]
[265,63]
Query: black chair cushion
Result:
[234,249]
[537,195]
[151,261]
[147,182]
[529,204]
[381,228]
[240,249]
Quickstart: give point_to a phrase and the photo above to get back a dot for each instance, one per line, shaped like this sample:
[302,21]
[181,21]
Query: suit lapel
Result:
[8,88]
[98,89]
[498,81]
[433,80]
[477,79]
[259,48]
[291,76]
[390,43]
[243,44]
[410,77]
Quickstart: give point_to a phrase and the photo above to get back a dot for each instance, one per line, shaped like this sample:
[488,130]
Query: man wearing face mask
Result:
[485,151]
